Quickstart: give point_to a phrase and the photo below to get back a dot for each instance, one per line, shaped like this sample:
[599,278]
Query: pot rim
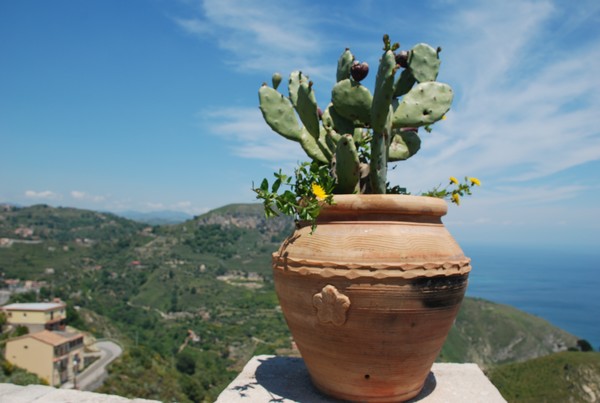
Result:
[385,204]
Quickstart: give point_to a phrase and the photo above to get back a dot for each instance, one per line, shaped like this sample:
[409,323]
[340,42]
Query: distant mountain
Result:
[44,222]
[161,217]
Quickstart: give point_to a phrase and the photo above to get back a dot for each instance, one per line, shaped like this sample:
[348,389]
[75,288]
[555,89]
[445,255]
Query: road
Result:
[93,376]
[4,297]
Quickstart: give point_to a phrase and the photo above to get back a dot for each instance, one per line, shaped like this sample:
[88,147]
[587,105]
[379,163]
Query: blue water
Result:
[561,285]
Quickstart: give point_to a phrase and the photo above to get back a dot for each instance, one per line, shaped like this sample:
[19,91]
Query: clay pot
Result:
[371,295]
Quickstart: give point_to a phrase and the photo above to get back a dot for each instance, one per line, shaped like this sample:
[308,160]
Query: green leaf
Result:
[276,185]
[264,186]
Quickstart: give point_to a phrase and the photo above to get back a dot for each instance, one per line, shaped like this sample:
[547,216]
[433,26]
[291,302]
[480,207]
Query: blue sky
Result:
[150,105]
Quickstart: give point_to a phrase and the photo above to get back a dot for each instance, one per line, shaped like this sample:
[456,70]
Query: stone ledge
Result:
[10,393]
[268,378]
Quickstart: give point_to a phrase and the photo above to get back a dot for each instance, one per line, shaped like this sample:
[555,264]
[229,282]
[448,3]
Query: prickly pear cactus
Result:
[360,128]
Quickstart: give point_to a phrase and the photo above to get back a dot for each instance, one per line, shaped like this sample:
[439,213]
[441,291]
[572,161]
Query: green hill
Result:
[488,333]
[151,286]
[562,377]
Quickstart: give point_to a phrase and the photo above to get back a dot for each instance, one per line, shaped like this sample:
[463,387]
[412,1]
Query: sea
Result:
[559,284]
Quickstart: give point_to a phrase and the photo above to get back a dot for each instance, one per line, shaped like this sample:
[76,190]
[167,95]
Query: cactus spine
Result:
[337,135]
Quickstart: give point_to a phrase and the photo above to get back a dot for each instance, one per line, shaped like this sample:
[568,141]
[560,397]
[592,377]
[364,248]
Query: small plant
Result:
[354,138]
[454,190]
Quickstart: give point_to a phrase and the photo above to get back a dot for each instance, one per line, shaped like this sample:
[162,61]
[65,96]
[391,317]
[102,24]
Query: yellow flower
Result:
[453,180]
[475,181]
[444,117]
[318,191]
[456,198]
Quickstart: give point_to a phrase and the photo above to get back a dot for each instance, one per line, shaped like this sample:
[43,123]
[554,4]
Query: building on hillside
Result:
[53,356]
[37,315]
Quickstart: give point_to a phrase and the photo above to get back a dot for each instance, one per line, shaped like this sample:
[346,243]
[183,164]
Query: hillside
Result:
[210,277]
[488,333]
[562,377]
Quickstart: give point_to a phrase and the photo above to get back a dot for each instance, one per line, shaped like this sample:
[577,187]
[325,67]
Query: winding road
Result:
[93,376]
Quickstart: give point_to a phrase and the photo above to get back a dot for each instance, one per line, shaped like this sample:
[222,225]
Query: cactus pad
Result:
[306,106]
[352,100]
[332,120]
[404,145]
[424,63]
[311,147]
[296,78]
[425,104]
[384,90]
[344,64]
[347,165]
[404,83]
[278,112]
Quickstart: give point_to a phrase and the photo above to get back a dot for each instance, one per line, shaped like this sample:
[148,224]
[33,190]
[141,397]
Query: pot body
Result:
[371,295]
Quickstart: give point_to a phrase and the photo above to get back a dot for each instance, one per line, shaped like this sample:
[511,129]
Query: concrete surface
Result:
[10,393]
[268,378]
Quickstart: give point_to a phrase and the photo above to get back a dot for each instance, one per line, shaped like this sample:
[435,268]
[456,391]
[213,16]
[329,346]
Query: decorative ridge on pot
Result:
[380,271]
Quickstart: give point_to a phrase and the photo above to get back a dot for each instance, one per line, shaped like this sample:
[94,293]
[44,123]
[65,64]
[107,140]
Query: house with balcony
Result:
[53,356]
[37,316]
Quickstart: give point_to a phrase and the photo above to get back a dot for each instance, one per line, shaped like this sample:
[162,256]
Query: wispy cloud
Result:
[526,106]
[265,35]
[250,137]
[183,206]
[83,196]
[41,195]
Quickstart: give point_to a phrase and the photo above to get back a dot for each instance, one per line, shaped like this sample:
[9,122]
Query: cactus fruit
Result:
[359,132]
[276,80]
[359,71]
[402,59]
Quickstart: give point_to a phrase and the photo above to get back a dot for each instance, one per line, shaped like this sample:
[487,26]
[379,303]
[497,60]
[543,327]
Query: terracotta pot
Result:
[371,295]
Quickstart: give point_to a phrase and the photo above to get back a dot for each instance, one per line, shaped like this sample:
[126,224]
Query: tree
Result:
[2,321]
[21,330]
[584,345]
[186,364]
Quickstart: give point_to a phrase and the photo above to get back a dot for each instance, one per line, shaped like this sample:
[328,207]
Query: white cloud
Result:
[265,35]
[193,26]
[83,196]
[526,106]
[188,207]
[250,137]
[182,205]
[155,206]
[45,194]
